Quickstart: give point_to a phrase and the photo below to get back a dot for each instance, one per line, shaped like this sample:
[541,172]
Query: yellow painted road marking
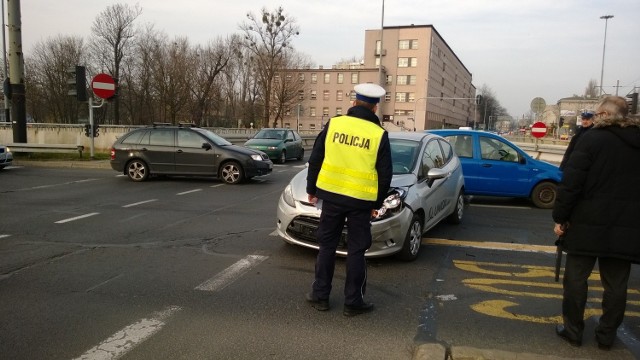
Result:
[491,245]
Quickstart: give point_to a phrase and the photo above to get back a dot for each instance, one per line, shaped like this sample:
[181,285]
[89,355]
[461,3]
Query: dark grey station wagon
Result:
[185,150]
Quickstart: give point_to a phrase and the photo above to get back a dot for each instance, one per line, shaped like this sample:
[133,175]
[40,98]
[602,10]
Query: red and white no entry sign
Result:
[539,129]
[103,86]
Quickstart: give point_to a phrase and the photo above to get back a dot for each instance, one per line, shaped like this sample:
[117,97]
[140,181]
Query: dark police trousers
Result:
[332,220]
[614,276]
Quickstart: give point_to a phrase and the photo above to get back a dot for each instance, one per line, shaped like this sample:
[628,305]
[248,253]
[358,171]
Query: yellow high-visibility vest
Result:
[351,150]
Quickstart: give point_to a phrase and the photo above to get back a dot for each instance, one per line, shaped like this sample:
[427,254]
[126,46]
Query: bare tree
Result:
[47,77]
[267,38]
[210,62]
[113,30]
[287,87]
[591,91]
[490,106]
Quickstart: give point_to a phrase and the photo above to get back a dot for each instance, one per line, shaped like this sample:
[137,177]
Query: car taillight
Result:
[113,154]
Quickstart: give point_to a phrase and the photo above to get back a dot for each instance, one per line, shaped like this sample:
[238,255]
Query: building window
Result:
[312,111]
[300,94]
[327,78]
[325,95]
[401,97]
[288,78]
[378,45]
[377,61]
[312,126]
[412,97]
[407,62]
[354,78]
[301,77]
[340,78]
[338,111]
[406,80]
[314,78]
[325,111]
[407,44]
[387,97]
[352,95]
[389,79]
[339,95]
[442,81]
[314,94]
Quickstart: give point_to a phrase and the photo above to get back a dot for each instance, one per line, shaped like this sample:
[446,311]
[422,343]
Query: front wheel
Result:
[283,157]
[456,216]
[544,195]
[137,170]
[412,241]
[231,173]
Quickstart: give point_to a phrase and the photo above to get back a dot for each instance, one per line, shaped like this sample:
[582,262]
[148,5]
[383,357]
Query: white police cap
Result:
[368,92]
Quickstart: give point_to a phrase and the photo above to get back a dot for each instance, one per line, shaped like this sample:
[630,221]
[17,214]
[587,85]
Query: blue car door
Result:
[497,170]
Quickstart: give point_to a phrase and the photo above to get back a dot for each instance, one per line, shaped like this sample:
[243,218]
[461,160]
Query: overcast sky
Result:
[520,49]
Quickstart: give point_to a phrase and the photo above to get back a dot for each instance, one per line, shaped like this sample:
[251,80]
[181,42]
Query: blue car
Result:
[493,166]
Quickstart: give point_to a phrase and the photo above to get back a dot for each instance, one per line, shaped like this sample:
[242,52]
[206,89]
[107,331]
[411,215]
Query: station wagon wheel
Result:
[231,172]
[412,241]
[544,195]
[283,157]
[456,216]
[137,170]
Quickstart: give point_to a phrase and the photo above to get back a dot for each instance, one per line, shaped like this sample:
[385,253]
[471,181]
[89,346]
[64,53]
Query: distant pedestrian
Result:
[586,122]
[350,171]
[596,215]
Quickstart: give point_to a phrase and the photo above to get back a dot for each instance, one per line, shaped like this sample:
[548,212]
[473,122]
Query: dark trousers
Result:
[332,220]
[614,276]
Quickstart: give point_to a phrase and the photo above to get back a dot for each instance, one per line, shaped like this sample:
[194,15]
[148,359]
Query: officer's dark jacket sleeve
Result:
[384,168]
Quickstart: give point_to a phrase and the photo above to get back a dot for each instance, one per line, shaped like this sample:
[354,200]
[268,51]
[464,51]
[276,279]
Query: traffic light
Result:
[96,130]
[87,130]
[77,82]
[633,104]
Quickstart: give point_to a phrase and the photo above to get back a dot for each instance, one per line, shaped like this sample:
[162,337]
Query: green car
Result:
[278,143]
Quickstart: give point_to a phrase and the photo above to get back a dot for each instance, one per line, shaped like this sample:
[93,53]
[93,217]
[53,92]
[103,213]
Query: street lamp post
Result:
[606,20]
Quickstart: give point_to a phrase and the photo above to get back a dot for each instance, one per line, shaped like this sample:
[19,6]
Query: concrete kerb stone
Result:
[435,351]
[89,164]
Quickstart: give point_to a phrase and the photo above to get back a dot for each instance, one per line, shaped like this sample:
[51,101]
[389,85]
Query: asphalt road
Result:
[95,266]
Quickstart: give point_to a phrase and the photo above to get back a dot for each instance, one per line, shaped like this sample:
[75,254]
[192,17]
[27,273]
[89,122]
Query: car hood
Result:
[299,183]
[263,142]
[242,150]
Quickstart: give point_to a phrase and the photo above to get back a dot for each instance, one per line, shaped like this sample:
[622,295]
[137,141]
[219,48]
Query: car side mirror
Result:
[206,146]
[435,174]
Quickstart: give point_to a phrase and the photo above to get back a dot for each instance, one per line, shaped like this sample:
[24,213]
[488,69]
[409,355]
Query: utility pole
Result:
[16,73]
[6,75]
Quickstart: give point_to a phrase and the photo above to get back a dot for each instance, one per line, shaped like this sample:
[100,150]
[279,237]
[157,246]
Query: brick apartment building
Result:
[427,85]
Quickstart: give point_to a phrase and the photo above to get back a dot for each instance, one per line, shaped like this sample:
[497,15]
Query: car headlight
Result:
[272,148]
[287,196]
[256,157]
[391,205]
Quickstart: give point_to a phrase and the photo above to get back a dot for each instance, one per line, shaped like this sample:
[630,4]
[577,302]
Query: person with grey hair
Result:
[595,216]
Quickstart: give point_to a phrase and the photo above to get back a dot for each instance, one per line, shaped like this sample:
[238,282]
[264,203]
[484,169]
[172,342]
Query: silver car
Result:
[427,187]
[6,158]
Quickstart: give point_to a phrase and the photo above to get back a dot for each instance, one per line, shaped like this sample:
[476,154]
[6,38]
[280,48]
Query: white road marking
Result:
[76,218]
[188,192]
[129,337]
[230,274]
[215,186]
[139,203]
[4,236]
[502,206]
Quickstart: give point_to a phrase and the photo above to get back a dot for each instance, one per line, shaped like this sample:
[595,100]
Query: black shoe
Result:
[603,346]
[564,334]
[353,310]
[318,304]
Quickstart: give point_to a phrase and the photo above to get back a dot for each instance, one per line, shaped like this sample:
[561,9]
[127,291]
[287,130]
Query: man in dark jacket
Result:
[596,214]
[350,170]
[586,119]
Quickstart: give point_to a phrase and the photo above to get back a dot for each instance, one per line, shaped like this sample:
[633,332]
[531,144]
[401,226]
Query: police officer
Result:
[586,119]
[350,171]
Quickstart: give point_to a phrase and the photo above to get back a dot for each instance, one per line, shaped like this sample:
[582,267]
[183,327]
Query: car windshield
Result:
[270,134]
[217,139]
[403,155]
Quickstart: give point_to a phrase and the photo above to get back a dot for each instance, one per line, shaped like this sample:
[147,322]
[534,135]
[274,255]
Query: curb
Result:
[90,164]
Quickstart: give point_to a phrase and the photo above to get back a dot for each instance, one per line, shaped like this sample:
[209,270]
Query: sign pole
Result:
[91,125]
